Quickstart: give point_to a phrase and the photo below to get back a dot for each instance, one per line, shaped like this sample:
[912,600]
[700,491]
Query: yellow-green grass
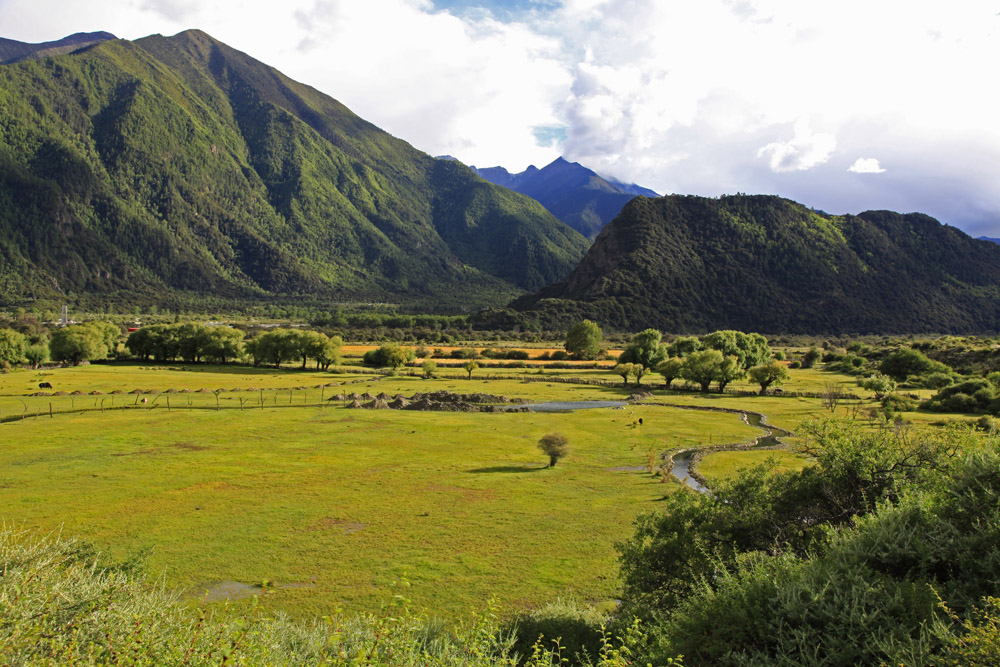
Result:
[334,504]
[715,466]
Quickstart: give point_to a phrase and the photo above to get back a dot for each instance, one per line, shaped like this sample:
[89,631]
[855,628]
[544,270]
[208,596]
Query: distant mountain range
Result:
[12,51]
[177,170]
[988,238]
[763,263]
[576,195]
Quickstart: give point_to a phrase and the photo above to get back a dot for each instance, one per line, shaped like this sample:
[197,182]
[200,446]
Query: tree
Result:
[392,356]
[328,351]
[767,374]
[645,348]
[11,347]
[224,343]
[555,446]
[749,349]
[879,384]
[810,357]
[670,369]
[702,368]
[684,346]
[729,370]
[429,367]
[193,341]
[36,354]
[638,370]
[140,343]
[276,346]
[906,361]
[625,370]
[584,339]
[77,343]
[470,366]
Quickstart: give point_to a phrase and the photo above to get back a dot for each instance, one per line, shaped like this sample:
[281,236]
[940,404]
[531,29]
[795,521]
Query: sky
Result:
[843,106]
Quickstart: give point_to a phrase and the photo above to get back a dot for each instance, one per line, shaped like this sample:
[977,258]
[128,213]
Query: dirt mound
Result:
[383,396]
[640,396]
[448,397]
[400,403]
[354,404]
[378,404]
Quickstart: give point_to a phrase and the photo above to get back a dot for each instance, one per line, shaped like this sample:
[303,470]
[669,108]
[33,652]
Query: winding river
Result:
[681,468]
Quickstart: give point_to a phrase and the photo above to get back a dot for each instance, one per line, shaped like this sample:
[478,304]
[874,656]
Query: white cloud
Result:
[866,165]
[804,151]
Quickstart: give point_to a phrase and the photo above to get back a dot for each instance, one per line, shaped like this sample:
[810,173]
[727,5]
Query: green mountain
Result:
[171,169]
[762,263]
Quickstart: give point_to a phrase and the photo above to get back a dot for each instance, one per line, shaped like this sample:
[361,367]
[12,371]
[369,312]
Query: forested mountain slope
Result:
[763,263]
[175,168]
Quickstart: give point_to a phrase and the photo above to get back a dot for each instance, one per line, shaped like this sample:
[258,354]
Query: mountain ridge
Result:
[764,263]
[13,51]
[578,196]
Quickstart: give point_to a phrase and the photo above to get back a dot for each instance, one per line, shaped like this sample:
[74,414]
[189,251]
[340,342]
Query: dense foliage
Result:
[867,557]
[762,263]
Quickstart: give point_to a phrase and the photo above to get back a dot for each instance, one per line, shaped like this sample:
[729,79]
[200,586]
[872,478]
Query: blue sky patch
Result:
[549,136]
[509,10]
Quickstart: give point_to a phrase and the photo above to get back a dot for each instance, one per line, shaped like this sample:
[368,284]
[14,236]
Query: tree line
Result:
[720,357]
[188,342]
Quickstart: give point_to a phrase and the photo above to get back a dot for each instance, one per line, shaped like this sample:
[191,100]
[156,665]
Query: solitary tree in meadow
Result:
[470,366]
[555,446]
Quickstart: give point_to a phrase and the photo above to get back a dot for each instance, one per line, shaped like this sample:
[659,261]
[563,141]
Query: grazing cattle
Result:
[45,385]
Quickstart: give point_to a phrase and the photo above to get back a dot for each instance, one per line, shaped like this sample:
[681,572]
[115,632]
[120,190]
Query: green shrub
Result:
[893,403]
[564,623]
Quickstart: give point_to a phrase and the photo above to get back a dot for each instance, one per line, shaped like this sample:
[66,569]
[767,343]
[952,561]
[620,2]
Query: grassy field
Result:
[229,477]
[332,504]
[715,466]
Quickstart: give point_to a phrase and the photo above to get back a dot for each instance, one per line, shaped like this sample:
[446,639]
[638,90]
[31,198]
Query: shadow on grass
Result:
[508,469]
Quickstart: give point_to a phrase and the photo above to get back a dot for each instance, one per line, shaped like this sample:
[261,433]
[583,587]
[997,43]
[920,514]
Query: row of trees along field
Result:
[192,343]
[720,357]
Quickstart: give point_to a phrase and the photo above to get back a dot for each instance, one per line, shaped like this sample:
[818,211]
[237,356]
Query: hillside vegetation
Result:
[763,263]
[171,169]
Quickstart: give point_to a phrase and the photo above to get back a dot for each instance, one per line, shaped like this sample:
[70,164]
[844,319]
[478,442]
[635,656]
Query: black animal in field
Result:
[45,385]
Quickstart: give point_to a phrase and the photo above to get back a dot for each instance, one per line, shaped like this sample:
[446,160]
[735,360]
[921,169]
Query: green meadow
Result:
[232,482]
[262,483]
